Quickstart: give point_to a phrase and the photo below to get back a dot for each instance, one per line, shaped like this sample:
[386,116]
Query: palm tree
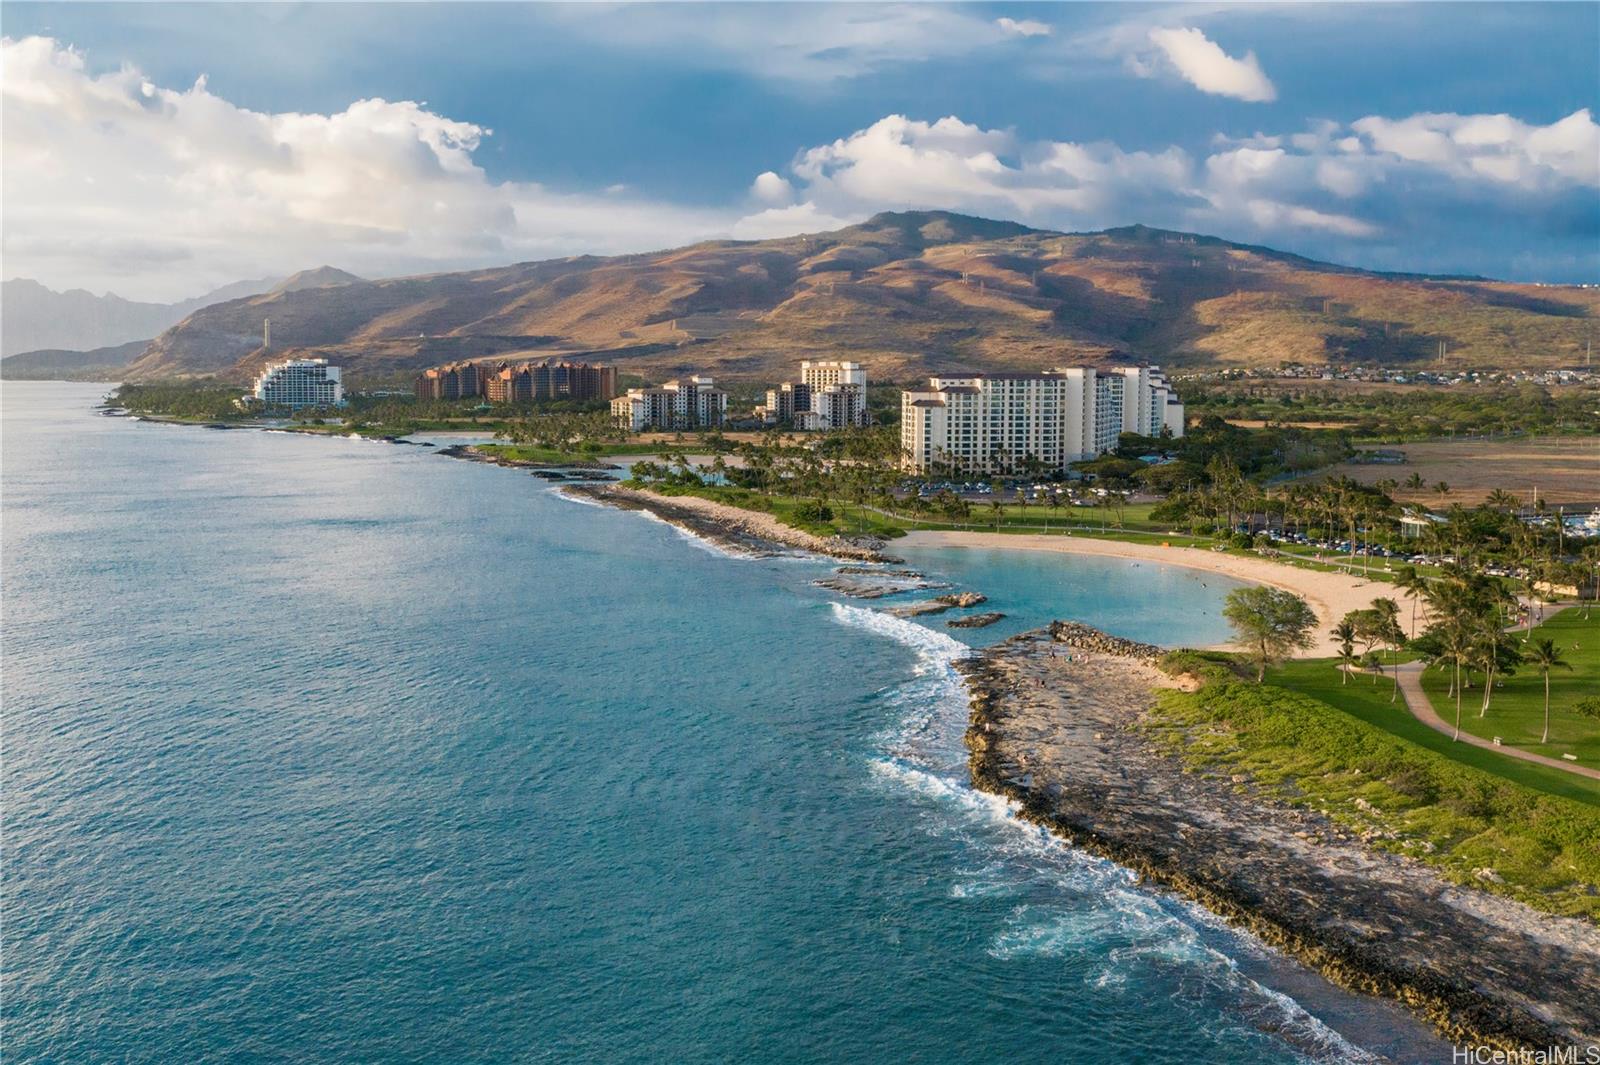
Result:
[1415,482]
[1501,499]
[1415,585]
[1441,490]
[1054,500]
[1545,656]
[1345,633]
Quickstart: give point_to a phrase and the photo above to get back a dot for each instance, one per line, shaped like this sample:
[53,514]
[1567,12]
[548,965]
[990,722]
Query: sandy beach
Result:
[746,531]
[1331,595]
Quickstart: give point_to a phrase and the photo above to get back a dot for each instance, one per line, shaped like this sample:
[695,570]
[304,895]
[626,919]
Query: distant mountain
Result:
[907,293]
[33,317]
[99,364]
[321,277]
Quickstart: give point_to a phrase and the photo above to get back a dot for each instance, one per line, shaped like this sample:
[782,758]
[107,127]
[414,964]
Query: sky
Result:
[160,150]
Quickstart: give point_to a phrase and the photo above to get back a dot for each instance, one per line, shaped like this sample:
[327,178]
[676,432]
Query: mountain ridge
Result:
[38,318]
[905,292]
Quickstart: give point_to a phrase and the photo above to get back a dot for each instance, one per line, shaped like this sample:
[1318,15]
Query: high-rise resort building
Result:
[297,383]
[688,403]
[1011,422]
[519,383]
[829,395]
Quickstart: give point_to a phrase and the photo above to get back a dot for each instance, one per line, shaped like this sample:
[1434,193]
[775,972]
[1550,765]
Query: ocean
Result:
[323,749]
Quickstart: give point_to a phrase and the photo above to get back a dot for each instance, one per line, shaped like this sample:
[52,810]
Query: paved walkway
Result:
[1421,708]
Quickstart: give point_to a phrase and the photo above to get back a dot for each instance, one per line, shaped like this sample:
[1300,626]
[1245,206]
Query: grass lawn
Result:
[1319,678]
[1479,828]
[1516,713]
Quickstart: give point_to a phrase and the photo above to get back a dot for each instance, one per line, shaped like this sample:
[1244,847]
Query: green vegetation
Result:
[1370,699]
[200,402]
[587,450]
[1396,415]
[1272,622]
[1481,828]
[1515,707]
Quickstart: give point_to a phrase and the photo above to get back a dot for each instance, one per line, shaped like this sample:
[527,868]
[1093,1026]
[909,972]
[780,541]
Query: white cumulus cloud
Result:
[770,188]
[114,182]
[1203,64]
[1024,27]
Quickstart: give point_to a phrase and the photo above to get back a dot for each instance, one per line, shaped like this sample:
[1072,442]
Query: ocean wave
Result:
[1080,906]
[582,501]
[936,646]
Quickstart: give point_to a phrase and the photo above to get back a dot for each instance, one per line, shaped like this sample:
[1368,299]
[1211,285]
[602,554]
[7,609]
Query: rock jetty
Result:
[961,599]
[1060,735]
[472,453]
[1087,638]
[975,621]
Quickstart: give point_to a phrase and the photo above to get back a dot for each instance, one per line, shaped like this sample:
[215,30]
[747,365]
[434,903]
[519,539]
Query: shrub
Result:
[814,511]
[1437,810]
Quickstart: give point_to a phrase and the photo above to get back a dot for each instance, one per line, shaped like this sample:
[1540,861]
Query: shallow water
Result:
[328,749]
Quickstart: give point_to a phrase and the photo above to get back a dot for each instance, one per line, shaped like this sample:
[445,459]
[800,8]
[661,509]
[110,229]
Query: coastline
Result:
[1331,595]
[746,532]
[1479,968]
[1062,739]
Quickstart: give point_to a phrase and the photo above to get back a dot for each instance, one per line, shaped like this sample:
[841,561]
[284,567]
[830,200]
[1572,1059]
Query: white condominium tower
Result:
[297,383]
[689,403]
[829,395]
[1011,422]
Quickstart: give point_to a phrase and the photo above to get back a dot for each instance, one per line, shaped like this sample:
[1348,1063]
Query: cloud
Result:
[908,163]
[788,221]
[1204,64]
[1024,28]
[111,181]
[768,187]
[105,174]
[1496,148]
[1374,187]
[803,45]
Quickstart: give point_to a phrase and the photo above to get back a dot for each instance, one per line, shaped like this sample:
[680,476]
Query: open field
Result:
[1564,469]
[1516,713]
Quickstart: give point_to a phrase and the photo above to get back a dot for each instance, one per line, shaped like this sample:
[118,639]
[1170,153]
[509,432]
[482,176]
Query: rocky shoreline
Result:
[471,453]
[744,531]
[1055,727]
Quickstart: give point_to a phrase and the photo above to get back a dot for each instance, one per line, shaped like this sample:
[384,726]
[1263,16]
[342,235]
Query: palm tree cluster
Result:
[1378,631]
[1469,613]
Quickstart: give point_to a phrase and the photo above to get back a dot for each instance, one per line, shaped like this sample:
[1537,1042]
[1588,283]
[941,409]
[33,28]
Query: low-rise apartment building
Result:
[1021,422]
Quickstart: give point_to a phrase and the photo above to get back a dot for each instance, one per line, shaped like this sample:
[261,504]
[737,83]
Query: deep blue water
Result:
[333,750]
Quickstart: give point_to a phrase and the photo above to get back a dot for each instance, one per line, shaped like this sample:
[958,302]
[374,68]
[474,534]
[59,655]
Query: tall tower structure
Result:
[266,332]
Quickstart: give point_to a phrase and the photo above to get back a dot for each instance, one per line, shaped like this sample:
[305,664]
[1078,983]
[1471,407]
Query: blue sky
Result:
[391,138]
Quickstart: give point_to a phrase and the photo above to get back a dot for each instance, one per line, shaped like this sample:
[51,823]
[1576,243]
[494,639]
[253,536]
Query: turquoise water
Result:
[334,750]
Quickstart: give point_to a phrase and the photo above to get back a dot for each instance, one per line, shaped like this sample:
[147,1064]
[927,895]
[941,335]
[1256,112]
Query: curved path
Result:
[1421,708]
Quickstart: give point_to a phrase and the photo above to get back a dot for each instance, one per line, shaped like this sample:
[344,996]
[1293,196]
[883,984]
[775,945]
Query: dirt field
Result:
[1562,469]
